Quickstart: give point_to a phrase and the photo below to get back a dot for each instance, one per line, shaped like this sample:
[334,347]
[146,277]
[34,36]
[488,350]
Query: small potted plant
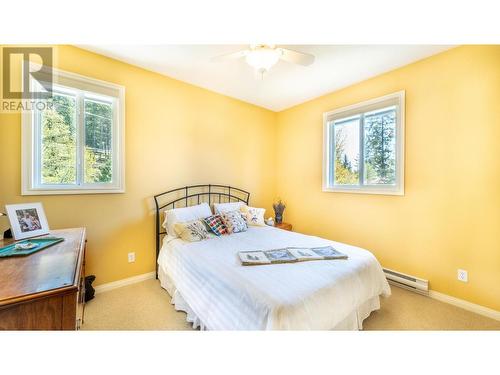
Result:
[279,207]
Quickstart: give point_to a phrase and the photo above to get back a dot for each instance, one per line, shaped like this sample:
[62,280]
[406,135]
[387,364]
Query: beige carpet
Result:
[146,306]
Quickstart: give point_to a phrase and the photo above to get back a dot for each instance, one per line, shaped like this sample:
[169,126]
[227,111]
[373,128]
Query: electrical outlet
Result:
[462,275]
[131,257]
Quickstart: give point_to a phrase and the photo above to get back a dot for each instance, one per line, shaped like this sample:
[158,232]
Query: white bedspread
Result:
[209,282]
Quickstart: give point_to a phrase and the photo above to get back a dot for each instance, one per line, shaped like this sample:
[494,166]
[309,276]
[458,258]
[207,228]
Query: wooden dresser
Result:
[45,290]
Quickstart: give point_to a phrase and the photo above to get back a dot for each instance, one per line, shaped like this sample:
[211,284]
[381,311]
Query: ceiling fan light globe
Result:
[262,59]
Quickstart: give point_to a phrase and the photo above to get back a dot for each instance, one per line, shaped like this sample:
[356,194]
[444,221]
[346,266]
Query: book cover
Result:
[328,252]
[280,256]
[250,258]
[304,253]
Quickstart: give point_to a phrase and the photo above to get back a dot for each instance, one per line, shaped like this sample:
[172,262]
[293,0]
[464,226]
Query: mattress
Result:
[208,282]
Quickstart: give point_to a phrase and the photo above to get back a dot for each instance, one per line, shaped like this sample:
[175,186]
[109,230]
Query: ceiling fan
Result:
[263,57]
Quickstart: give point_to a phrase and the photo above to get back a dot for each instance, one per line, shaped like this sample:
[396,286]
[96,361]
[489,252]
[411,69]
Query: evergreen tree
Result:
[98,121]
[58,145]
[380,161]
[346,163]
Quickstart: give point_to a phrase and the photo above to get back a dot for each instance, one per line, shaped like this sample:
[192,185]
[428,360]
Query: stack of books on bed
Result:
[289,255]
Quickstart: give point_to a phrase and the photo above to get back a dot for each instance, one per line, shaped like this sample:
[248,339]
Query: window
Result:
[363,147]
[75,143]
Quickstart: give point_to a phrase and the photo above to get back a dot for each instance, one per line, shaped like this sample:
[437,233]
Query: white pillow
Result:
[221,208]
[253,215]
[181,215]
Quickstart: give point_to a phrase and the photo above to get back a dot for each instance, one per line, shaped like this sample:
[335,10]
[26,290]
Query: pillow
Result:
[215,224]
[253,215]
[191,230]
[234,222]
[220,208]
[181,215]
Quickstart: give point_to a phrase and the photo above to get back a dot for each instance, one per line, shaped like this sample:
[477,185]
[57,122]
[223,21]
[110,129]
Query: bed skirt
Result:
[353,322]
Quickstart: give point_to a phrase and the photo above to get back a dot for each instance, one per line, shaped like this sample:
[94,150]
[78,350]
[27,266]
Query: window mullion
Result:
[361,163]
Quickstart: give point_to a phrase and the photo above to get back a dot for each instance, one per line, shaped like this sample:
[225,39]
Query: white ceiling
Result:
[335,67]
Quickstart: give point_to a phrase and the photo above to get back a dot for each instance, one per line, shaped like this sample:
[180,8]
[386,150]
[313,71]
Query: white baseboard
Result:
[469,306]
[123,282]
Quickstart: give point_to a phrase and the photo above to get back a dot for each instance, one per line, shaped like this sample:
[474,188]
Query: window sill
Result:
[397,191]
[71,191]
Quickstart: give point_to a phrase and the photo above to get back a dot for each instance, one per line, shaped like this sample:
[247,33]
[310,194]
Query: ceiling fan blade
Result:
[295,57]
[230,56]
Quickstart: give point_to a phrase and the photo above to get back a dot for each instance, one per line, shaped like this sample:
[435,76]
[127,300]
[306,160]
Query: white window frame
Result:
[30,173]
[398,99]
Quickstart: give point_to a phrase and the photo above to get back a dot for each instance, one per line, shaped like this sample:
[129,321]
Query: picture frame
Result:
[27,220]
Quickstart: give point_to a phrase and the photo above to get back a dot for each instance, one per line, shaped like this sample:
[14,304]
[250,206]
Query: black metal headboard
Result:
[189,196]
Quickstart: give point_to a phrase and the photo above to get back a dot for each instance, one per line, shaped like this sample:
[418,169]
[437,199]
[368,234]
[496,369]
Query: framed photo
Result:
[27,220]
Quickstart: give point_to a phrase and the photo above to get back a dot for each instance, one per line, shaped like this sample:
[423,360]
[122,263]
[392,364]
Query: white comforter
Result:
[222,294]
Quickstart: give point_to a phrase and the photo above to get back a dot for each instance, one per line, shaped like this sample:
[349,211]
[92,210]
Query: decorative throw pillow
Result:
[215,224]
[234,222]
[191,231]
[253,215]
[184,214]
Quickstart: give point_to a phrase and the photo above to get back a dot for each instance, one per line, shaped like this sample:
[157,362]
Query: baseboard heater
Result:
[407,281]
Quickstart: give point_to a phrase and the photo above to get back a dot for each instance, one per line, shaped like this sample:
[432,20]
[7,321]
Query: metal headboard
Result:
[189,196]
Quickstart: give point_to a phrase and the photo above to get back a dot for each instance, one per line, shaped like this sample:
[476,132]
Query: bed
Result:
[207,281]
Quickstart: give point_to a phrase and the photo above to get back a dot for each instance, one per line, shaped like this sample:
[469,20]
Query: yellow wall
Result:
[176,134]
[449,217]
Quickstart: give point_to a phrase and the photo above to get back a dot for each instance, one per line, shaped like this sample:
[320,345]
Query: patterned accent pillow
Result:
[234,222]
[253,215]
[215,224]
[191,231]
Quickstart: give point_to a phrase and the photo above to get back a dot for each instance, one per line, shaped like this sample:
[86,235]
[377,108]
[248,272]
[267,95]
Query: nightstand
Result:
[285,226]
